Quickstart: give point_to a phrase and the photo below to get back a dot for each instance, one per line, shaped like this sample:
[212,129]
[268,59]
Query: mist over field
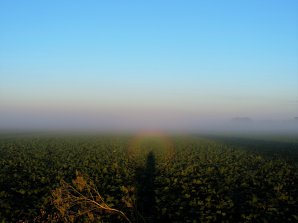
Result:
[133,122]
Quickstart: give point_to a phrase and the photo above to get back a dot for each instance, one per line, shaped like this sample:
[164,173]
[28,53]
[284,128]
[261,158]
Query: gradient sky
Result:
[148,61]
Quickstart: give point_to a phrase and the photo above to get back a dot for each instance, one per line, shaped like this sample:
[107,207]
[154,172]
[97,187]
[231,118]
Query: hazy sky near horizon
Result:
[151,61]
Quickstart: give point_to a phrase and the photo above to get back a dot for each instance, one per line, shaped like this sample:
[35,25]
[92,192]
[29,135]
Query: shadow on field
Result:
[145,189]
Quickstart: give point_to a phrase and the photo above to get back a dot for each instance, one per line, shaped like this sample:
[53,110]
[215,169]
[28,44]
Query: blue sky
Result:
[206,59]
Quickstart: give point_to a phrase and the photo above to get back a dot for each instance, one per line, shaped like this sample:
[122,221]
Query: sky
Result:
[147,63]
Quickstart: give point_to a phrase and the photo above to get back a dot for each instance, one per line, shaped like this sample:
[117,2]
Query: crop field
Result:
[148,177]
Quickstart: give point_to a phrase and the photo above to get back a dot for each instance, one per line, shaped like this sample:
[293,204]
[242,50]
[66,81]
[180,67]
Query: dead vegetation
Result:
[81,199]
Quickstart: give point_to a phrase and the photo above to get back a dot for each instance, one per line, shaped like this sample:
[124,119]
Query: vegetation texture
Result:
[152,179]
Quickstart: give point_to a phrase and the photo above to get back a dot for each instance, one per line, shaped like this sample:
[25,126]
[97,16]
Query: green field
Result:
[149,178]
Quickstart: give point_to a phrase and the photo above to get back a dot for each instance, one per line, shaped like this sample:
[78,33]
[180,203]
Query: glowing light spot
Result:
[140,143]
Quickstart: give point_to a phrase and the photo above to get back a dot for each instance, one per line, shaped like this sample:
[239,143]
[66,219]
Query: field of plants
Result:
[149,177]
